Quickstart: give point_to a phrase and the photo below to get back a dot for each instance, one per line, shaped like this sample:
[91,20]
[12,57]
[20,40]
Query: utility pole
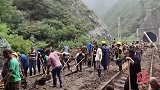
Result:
[137,34]
[119,29]
[159,36]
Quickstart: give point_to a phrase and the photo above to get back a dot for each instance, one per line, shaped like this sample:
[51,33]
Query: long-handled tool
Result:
[74,68]
[77,64]
[129,75]
[65,64]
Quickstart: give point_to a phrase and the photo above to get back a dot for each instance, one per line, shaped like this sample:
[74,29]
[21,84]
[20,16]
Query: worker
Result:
[135,68]
[54,62]
[32,60]
[95,47]
[105,55]
[80,57]
[12,78]
[119,55]
[66,58]
[98,60]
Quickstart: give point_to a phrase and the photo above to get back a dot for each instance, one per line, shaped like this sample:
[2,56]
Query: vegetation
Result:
[45,22]
[132,13]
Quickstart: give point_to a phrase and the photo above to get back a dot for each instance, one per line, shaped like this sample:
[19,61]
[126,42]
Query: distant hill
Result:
[132,13]
[100,7]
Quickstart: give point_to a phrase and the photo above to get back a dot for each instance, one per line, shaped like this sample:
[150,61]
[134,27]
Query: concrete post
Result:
[159,36]
[137,34]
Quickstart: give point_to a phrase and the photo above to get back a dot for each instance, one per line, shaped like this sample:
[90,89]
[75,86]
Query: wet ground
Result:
[88,78]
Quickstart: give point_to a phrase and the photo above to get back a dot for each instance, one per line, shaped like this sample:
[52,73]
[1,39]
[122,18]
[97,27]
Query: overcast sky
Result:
[100,6]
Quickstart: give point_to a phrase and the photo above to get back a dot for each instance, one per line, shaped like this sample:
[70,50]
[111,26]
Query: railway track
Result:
[118,80]
[88,80]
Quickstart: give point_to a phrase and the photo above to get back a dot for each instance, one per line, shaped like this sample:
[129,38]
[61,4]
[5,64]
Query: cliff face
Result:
[152,19]
[151,22]
[134,14]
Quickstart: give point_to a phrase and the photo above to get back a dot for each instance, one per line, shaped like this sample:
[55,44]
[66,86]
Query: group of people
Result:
[51,61]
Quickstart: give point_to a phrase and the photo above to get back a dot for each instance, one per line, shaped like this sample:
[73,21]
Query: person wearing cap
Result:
[12,79]
[17,55]
[105,55]
[119,55]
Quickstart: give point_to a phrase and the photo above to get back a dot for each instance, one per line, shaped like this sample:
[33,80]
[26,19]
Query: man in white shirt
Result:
[98,59]
[65,59]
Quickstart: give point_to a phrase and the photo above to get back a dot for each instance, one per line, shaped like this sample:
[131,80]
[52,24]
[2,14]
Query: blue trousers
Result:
[32,64]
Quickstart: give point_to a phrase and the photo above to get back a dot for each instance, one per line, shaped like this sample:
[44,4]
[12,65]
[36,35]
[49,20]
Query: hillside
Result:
[100,7]
[131,12]
[45,23]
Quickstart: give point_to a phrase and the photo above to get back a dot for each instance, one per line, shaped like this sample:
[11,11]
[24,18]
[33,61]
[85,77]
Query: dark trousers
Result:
[39,66]
[25,68]
[139,55]
[44,67]
[32,64]
[68,66]
[13,85]
[85,59]
[119,63]
[94,63]
[57,72]
[89,64]
[104,64]
[80,65]
[134,85]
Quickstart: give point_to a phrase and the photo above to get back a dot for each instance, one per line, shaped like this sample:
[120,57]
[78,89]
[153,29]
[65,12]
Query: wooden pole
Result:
[137,34]
[129,75]
[77,64]
[65,64]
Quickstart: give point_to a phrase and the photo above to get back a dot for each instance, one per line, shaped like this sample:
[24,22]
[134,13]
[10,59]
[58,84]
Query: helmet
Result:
[18,53]
[15,54]
[103,42]
[120,43]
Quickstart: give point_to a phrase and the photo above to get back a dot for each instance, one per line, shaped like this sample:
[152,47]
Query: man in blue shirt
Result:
[89,47]
[24,61]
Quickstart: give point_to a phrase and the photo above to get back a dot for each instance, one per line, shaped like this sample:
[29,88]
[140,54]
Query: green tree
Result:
[6,10]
